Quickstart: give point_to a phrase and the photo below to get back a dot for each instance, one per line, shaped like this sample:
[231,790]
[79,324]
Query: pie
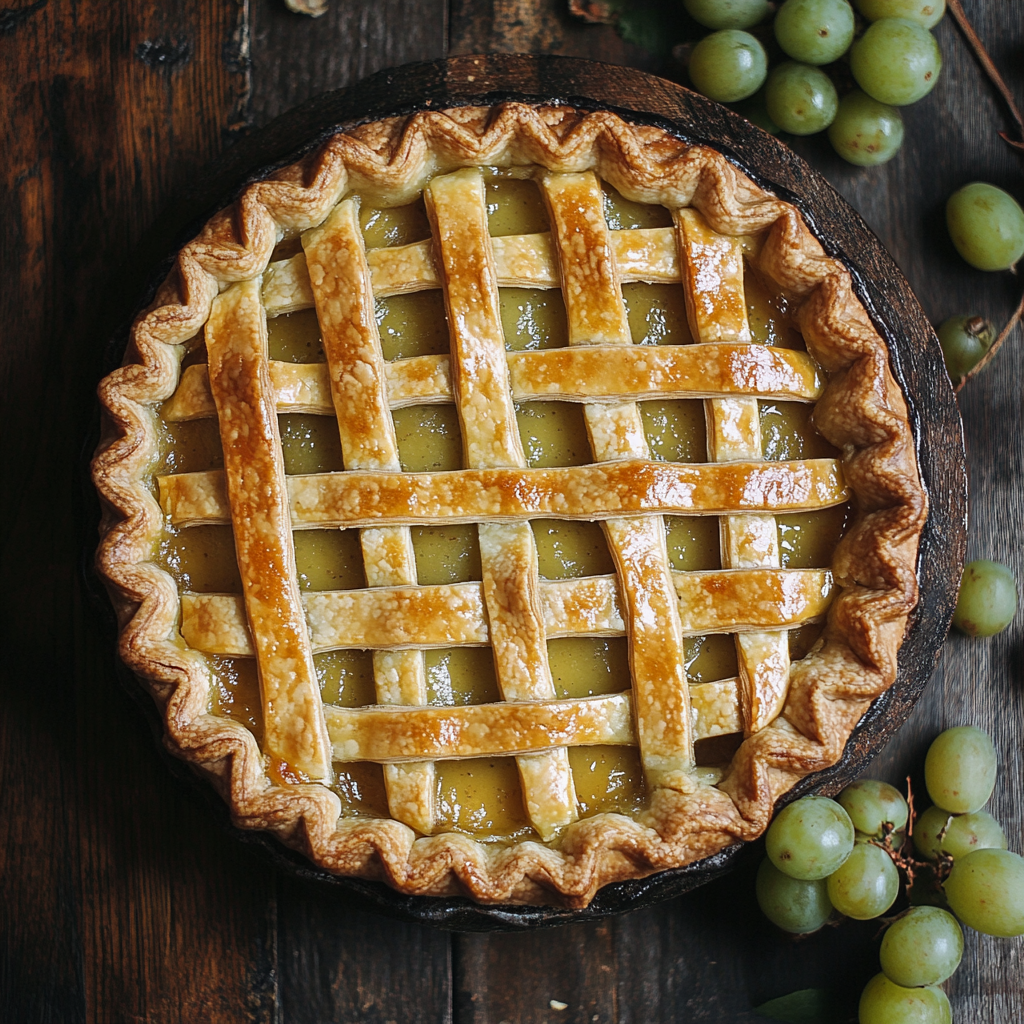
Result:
[508,501]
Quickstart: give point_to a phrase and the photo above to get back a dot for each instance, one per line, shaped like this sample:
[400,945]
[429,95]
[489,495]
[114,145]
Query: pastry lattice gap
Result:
[512,610]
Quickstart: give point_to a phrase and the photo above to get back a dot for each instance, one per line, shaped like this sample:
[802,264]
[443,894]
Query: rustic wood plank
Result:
[517,977]
[123,901]
[708,956]
[340,964]
[296,57]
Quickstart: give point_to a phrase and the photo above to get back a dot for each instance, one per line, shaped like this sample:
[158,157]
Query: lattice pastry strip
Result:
[457,210]
[236,340]
[597,316]
[712,268]
[454,614]
[608,490]
[340,280]
[521,261]
[582,374]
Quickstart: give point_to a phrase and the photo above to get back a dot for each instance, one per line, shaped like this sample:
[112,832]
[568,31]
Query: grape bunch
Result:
[892,56]
[845,855]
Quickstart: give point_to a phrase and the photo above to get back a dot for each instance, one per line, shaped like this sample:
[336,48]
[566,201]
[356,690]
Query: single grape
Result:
[810,838]
[793,904]
[800,99]
[961,833]
[960,769]
[986,225]
[923,947]
[883,1002]
[985,890]
[727,13]
[969,832]
[964,340]
[872,805]
[729,65]
[988,598]
[896,61]
[927,13]
[866,132]
[815,31]
[866,884]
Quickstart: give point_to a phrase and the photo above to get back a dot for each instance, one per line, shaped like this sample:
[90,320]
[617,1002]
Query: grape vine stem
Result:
[994,348]
[957,10]
[988,66]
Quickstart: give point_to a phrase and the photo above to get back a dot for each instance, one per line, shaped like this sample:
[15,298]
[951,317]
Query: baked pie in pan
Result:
[507,501]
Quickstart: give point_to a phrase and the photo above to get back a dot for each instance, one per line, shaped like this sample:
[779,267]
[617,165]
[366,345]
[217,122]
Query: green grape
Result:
[927,13]
[985,890]
[810,838]
[727,13]
[883,1002]
[800,99]
[866,132]
[923,947]
[896,61]
[815,31]
[987,601]
[794,905]
[872,804]
[960,769]
[866,884]
[964,340]
[961,833]
[986,225]
[729,65]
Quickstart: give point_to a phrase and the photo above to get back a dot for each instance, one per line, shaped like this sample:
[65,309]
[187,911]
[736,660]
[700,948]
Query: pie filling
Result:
[741,609]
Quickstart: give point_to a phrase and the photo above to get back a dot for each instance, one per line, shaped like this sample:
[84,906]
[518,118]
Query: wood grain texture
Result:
[295,58]
[112,912]
[102,907]
[343,965]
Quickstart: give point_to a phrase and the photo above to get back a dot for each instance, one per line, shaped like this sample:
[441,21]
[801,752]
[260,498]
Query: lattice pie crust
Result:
[796,717]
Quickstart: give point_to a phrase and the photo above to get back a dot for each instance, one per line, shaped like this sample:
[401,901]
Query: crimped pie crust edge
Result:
[862,413]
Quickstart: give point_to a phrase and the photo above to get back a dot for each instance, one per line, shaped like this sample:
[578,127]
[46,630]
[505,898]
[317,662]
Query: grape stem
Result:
[957,10]
[903,857]
[994,348]
[910,808]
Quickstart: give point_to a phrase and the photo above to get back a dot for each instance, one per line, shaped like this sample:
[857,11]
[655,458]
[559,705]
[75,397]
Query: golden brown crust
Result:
[861,412]
[600,373]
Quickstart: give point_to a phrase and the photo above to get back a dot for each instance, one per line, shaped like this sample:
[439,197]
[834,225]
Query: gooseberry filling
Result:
[483,796]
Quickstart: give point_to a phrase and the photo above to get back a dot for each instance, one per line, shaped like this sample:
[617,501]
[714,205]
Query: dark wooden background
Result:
[121,899]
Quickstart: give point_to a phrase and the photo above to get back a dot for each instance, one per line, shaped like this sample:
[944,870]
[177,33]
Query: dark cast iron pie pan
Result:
[916,363]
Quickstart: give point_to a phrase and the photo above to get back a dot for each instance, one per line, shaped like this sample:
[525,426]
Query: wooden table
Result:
[122,899]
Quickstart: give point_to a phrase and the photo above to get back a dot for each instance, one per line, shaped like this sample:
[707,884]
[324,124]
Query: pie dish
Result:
[406,376]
